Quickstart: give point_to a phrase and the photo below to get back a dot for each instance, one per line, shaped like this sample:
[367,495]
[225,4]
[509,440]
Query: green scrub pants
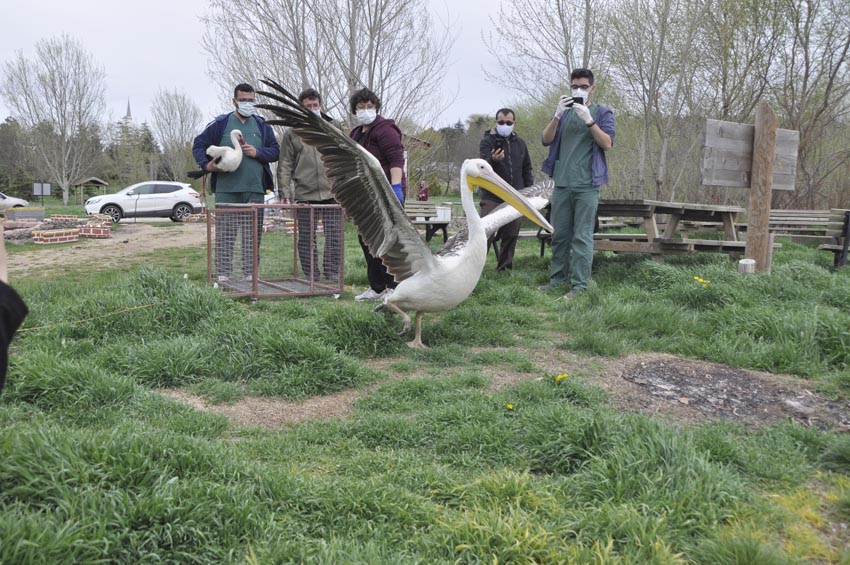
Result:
[573,217]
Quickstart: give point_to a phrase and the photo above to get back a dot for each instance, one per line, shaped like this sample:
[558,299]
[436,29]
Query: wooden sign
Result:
[728,155]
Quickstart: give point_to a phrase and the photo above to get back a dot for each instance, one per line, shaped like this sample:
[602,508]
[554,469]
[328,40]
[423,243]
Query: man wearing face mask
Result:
[578,135]
[301,175]
[508,154]
[246,185]
[382,138]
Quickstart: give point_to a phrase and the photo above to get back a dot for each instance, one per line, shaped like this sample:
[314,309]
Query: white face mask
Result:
[245,109]
[580,94]
[317,112]
[367,116]
[505,130]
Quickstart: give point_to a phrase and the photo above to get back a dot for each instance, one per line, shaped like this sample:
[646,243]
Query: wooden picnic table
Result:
[649,210]
[666,243]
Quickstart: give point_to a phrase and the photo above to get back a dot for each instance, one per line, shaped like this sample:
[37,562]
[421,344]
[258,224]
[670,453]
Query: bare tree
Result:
[653,57]
[545,41]
[335,46]
[176,122]
[813,89]
[738,44]
[59,97]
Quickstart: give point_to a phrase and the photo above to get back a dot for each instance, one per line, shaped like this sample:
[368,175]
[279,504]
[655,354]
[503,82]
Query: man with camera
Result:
[508,154]
[578,135]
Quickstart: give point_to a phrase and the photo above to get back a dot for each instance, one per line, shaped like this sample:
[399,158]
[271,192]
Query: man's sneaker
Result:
[547,287]
[368,295]
[573,293]
[387,292]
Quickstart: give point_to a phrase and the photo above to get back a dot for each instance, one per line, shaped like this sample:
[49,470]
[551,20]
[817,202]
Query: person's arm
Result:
[4,269]
[199,147]
[270,151]
[395,175]
[285,166]
[551,130]
[527,173]
[605,127]
[389,143]
[602,139]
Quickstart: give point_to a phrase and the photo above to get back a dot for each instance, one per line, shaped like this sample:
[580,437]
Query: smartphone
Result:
[499,144]
[578,100]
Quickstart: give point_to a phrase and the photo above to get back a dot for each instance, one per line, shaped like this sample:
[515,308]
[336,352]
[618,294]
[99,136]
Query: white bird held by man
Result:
[427,282]
[225,157]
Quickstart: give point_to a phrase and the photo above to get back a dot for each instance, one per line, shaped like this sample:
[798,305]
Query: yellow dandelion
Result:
[509,406]
[561,377]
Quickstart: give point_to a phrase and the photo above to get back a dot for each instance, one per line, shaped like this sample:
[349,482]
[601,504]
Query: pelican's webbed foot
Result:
[405,318]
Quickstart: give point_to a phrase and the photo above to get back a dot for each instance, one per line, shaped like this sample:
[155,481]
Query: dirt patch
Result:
[680,391]
[129,244]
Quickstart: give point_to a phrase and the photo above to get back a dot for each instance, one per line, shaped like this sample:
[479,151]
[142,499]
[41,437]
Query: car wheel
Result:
[181,212]
[113,212]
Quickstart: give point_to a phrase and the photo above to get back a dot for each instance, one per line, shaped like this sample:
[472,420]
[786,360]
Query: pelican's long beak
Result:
[494,183]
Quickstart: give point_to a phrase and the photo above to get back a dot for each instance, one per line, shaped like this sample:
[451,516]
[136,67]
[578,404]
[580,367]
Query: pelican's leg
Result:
[417,341]
[403,315]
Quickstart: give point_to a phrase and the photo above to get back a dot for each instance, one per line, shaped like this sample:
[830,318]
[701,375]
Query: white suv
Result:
[156,199]
[7,202]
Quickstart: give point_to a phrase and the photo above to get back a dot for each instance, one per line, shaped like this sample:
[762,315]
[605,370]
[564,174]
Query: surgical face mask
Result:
[245,109]
[578,93]
[366,116]
[505,130]
[317,112]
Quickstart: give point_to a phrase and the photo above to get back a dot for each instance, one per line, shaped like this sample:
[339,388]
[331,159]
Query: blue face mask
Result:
[245,109]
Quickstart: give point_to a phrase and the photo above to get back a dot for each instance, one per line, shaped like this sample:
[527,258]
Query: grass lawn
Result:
[439,466]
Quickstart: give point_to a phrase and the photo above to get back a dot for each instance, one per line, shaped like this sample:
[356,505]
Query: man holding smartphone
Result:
[578,135]
[508,154]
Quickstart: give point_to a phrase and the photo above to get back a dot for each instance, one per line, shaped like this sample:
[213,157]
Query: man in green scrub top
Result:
[246,185]
[578,135]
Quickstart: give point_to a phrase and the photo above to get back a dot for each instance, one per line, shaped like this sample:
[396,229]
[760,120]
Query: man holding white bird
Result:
[578,135]
[245,185]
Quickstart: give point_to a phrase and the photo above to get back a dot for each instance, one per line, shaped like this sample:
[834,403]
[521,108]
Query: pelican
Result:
[225,158]
[427,282]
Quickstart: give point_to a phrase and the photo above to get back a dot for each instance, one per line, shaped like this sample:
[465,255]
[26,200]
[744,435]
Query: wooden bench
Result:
[838,229]
[603,223]
[424,214]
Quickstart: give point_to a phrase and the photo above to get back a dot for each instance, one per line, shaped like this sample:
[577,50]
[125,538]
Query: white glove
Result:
[582,112]
[564,102]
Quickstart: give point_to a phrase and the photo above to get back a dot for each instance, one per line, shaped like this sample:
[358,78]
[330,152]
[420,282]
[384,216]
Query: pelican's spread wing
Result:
[537,194]
[359,185]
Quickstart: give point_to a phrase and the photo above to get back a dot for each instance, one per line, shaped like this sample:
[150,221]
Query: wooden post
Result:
[758,221]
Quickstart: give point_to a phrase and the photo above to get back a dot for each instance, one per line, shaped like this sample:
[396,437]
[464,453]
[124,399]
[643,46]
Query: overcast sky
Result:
[149,45]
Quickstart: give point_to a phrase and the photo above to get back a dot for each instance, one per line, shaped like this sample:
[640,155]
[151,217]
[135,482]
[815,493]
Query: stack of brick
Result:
[97,229]
[55,236]
[57,218]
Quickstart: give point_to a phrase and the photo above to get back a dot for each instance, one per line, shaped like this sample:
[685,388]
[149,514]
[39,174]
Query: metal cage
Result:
[268,250]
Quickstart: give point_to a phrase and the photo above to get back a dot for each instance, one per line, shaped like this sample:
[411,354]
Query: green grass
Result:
[433,468]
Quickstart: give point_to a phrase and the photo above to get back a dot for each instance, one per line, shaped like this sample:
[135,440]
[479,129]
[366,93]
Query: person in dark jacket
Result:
[13,310]
[382,138]
[508,154]
[246,185]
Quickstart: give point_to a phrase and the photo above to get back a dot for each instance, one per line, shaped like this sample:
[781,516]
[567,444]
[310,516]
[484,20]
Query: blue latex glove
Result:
[398,193]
